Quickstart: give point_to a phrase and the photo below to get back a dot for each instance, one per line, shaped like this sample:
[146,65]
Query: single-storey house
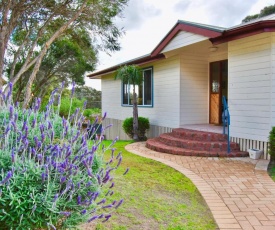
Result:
[190,70]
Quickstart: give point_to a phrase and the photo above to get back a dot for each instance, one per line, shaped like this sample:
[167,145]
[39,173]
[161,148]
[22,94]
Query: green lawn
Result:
[156,197]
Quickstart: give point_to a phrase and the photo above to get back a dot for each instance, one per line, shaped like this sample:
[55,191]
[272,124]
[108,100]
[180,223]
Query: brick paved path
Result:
[238,196]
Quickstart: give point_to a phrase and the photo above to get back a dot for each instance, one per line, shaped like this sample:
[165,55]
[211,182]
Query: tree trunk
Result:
[44,51]
[135,116]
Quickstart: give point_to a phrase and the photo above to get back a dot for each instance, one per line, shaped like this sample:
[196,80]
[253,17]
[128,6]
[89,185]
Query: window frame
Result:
[152,90]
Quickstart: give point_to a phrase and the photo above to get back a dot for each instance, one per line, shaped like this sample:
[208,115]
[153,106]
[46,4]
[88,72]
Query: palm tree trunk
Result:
[135,116]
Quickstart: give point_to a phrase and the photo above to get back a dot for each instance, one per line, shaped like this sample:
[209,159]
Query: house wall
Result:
[273,79]
[166,96]
[183,39]
[249,86]
[194,89]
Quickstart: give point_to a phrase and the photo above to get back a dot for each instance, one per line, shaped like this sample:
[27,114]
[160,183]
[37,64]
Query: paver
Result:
[239,195]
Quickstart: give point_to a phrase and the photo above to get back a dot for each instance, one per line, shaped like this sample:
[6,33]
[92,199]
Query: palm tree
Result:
[132,74]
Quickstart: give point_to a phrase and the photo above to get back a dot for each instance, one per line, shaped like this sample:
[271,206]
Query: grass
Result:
[155,197]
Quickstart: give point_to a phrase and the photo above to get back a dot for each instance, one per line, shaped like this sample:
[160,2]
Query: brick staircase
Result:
[188,142]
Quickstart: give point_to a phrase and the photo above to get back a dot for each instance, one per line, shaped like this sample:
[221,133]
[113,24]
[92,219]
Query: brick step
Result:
[198,135]
[170,140]
[156,145]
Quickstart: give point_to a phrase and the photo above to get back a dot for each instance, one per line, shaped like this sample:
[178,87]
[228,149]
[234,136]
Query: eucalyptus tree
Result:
[42,22]
[132,74]
[67,60]
[264,12]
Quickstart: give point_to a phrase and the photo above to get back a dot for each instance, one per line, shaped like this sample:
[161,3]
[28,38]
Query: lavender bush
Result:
[49,177]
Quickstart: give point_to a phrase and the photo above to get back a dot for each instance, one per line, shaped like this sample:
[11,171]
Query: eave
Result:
[137,61]
[244,31]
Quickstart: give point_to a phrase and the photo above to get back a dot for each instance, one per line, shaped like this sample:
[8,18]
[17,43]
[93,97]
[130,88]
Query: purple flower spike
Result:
[127,170]
[55,197]
[7,178]
[12,157]
[93,218]
[79,200]
[107,206]
[89,172]
[107,217]
[119,203]
[102,201]
[83,212]
[65,213]
[63,179]
[51,225]
[112,185]
[11,112]
[119,162]
[73,89]
[104,116]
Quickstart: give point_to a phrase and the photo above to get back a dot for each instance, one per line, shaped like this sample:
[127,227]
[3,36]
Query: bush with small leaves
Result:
[49,176]
[271,149]
[143,126]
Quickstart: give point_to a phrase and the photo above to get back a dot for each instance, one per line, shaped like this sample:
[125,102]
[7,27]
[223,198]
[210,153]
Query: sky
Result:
[146,22]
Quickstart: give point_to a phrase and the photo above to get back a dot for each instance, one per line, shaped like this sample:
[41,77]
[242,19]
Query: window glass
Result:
[143,91]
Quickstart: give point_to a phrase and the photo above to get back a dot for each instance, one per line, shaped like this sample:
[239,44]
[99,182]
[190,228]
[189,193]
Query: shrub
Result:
[50,177]
[271,149]
[91,114]
[69,105]
[143,126]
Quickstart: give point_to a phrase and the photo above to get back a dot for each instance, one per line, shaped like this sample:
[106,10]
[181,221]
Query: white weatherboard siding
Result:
[183,39]
[194,89]
[273,78]
[249,66]
[166,93]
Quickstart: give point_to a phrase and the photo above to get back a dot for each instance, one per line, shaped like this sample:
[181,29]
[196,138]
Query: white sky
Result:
[146,22]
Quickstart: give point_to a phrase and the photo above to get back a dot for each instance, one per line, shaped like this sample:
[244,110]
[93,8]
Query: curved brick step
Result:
[198,135]
[171,140]
[156,145]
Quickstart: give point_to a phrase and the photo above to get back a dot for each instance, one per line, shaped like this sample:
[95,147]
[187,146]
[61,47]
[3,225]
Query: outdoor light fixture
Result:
[213,48]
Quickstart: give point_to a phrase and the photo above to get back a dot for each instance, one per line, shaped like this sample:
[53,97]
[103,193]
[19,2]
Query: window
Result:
[143,91]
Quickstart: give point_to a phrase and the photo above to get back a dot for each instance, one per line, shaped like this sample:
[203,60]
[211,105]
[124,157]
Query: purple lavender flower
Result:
[83,212]
[104,116]
[33,208]
[78,199]
[127,170]
[119,162]
[55,197]
[73,89]
[107,217]
[51,225]
[33,123]
[102,201]
[93,218]
[43,177]
[7,178]
[11,112]
[63,179]
[119,203]
[89,172]
[12,156]
[65,213]
[107,206]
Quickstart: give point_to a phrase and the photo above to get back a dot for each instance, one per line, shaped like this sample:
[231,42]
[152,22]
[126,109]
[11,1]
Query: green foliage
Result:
[264,12]
[130,73]
[50,178]
[68,104]
[143,126]
[271,149]
[91,114]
